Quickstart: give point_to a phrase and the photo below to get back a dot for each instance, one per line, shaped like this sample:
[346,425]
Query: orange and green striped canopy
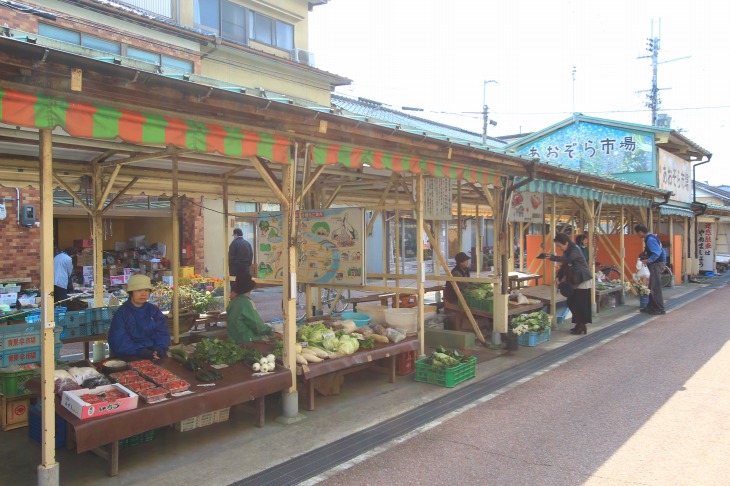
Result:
[355,157]
[87,120]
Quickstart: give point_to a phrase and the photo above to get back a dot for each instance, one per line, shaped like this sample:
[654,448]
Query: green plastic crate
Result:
[486,305]
[138,439]
[448,377]
[12,383]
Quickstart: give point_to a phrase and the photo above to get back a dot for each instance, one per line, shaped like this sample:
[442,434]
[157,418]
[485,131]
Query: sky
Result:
[547,58]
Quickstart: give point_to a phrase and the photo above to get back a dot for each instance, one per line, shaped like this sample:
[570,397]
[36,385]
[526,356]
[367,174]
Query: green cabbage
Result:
[331,344]
[348,345]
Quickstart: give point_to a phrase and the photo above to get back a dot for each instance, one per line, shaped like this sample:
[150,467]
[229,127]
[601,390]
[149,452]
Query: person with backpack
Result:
[655,258]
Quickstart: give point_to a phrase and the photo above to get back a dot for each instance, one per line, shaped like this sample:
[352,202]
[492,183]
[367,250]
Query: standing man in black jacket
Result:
[240,255]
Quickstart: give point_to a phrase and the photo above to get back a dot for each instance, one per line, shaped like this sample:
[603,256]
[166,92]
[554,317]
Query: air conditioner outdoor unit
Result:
[303,57]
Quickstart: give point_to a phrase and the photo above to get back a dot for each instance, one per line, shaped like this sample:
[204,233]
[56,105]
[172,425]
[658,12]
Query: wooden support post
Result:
[478,243]
[48,359]
[622,246]
[224,246]
[175,261]
[553,233]
[420,223]
[98,237]
[289,238]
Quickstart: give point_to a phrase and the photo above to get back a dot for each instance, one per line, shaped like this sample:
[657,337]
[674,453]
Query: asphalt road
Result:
[651,407]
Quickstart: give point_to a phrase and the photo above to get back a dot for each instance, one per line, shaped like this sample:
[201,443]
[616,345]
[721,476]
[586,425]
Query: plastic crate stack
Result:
[9,288]
[88,322]
[21,343]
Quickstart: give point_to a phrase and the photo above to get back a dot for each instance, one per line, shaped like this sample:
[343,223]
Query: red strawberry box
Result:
[109,399]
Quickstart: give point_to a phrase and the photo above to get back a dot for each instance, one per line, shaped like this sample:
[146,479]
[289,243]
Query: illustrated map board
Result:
[331,246]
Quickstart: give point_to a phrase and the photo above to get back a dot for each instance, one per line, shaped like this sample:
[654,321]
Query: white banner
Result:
[674,174]
[437,198]
[706,246]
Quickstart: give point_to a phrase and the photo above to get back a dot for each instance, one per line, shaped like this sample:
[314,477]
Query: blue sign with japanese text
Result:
[593,147]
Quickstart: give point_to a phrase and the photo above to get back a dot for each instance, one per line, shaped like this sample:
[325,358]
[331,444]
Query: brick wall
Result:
[29,23]
[21,246]
[193,223]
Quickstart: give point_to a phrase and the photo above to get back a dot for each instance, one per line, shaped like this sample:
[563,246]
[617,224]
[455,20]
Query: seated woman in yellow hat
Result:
[244,322]
[139,328]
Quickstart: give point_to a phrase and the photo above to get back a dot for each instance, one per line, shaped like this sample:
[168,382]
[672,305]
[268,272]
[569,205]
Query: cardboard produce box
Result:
[73,403]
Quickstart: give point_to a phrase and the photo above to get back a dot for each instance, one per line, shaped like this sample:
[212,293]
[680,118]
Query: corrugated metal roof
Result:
[375,111]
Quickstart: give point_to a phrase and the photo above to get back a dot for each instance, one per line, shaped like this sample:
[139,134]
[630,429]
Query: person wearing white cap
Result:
[139,328]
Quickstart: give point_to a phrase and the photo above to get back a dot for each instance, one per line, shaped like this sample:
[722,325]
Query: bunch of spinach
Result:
[216,351]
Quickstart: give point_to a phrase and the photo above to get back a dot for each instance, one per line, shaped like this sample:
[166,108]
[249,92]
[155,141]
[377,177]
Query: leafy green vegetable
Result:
[368,343]
[479,291]
[535,322]
[216,351]
[442,358]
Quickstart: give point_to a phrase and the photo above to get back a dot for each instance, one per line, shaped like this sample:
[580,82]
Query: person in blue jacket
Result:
[655,258]
[139,329]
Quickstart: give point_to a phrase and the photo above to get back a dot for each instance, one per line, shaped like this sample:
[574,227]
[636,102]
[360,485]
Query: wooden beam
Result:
[121,193]
[270,180]
[108,187]
[310,183]
[169,152]
[72,193]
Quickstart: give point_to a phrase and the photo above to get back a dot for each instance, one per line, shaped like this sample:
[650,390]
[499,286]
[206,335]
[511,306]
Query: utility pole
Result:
[485,112]
[653,46]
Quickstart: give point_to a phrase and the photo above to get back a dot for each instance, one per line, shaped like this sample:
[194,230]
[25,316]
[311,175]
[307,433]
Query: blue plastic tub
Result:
[358,318]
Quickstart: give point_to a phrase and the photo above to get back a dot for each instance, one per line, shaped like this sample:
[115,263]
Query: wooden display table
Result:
[518,280]
[618,291]
[237,386]
[542,293]
[354,362]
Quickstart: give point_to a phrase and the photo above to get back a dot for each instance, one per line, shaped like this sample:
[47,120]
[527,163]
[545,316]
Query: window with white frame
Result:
[236,23]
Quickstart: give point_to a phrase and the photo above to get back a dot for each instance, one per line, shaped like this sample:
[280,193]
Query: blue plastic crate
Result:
[35,427]
[534,338]
[87,322]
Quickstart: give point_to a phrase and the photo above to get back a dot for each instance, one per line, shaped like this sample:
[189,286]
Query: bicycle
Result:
[667,277]
[327,296]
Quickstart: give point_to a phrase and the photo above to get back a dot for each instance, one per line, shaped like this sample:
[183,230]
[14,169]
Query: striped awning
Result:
[87,120]
[559,189]
[624,200]
[666,210]
[581,192]
[355,157]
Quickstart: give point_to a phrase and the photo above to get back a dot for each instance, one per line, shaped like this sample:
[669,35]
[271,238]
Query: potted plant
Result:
[642,291]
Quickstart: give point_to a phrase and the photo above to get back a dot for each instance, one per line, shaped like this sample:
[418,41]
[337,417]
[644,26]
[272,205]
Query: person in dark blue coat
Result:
[655,258]
[139,329]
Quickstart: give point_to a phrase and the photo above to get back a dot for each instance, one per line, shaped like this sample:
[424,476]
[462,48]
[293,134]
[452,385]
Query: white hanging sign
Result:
[437,198]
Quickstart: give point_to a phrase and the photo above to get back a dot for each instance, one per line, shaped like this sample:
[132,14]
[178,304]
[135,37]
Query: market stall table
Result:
[542,293]
[518,280]
[237,386]
[618,290]
[353,362]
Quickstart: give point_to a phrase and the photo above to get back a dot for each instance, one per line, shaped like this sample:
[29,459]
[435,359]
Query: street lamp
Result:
[485,112]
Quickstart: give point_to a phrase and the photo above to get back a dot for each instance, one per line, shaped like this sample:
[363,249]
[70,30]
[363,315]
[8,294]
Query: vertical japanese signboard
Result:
[331,246]
[437,198]
[706,246]
[674,174]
